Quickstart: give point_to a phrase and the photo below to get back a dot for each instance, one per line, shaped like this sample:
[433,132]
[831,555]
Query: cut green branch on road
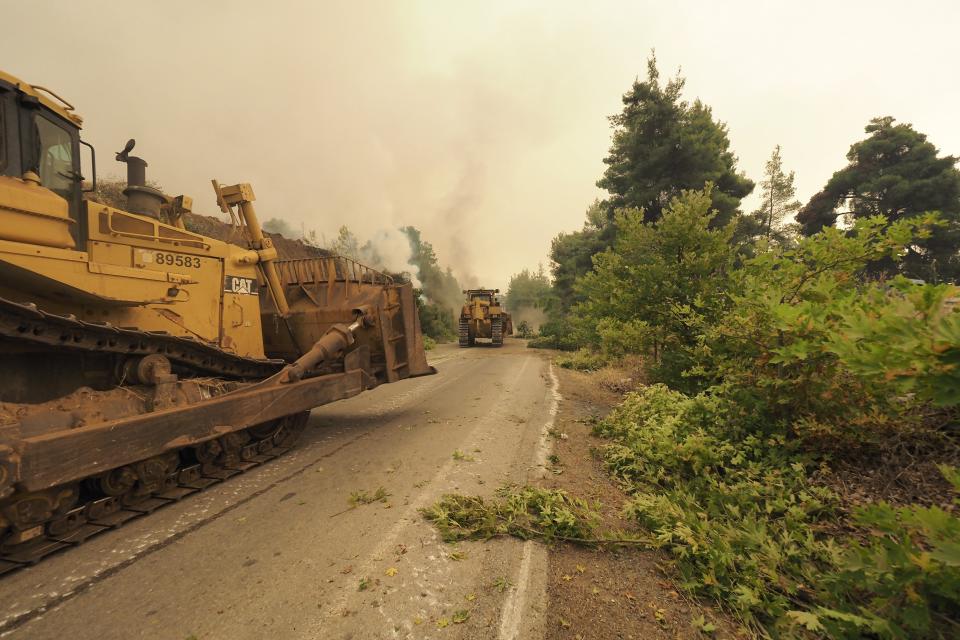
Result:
[528,513]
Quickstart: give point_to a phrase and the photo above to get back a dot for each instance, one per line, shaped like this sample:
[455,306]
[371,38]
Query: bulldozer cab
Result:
[483,295]
[40,136]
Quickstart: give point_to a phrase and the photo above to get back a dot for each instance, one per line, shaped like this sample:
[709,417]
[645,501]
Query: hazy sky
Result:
[482,123]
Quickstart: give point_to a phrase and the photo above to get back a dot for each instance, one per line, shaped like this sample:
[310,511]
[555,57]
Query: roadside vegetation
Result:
[528,298]
[796,449]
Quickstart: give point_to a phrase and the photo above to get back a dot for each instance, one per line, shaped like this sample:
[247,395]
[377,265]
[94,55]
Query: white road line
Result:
[545,444]
[515,604]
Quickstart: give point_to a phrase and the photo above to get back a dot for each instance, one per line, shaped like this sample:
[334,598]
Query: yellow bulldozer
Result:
[483,317]
[140,361]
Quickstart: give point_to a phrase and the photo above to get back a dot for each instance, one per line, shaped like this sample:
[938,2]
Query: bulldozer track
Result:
[97,513]
[464,334]
[100,514]
[496,331]
[26,322]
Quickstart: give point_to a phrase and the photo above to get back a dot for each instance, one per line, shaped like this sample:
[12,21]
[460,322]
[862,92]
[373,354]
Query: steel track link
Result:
[190,480]
[27,323]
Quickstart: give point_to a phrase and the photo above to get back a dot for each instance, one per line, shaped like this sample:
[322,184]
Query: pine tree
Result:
[346,244]
[897,173]
[663,146]
[779,198]
[571,254]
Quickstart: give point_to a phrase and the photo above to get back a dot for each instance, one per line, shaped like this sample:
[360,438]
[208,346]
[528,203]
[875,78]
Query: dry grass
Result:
[622,376]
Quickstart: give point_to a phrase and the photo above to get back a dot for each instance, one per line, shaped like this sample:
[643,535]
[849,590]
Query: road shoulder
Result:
[614,592]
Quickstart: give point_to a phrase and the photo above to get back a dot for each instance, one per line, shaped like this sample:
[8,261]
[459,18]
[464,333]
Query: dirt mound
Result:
[219,230]
[110,192]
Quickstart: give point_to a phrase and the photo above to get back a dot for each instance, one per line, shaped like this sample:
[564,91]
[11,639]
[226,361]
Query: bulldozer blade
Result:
[323,292]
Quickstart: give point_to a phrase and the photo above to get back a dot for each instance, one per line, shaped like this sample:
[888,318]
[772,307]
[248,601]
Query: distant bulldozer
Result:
[483,317]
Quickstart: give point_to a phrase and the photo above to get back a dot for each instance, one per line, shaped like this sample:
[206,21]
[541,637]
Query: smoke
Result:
[482,124]
[461,223]
[389,250]
[375,116]
[533,317]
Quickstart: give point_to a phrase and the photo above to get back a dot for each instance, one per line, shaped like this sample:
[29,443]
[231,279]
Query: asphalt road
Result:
[278,553]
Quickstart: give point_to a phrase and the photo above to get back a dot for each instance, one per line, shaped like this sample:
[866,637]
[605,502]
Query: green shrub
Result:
[729,498]
[660,283]
[732,507]
[903,583]
[556,334]
[429,343]
[619,338]
[582,360]
[524,330]
[436,321]
[903,335]
[541,342]
[779,345]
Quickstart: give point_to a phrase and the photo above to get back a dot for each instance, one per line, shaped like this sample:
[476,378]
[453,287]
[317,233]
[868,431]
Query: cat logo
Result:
[236,284]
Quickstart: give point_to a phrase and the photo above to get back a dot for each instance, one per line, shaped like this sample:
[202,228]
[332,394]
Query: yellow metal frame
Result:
[110,282]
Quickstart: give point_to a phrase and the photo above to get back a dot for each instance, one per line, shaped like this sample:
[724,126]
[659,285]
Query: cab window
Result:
[55,159]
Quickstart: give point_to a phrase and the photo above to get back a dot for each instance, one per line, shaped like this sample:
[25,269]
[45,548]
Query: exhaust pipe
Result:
[141,199]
